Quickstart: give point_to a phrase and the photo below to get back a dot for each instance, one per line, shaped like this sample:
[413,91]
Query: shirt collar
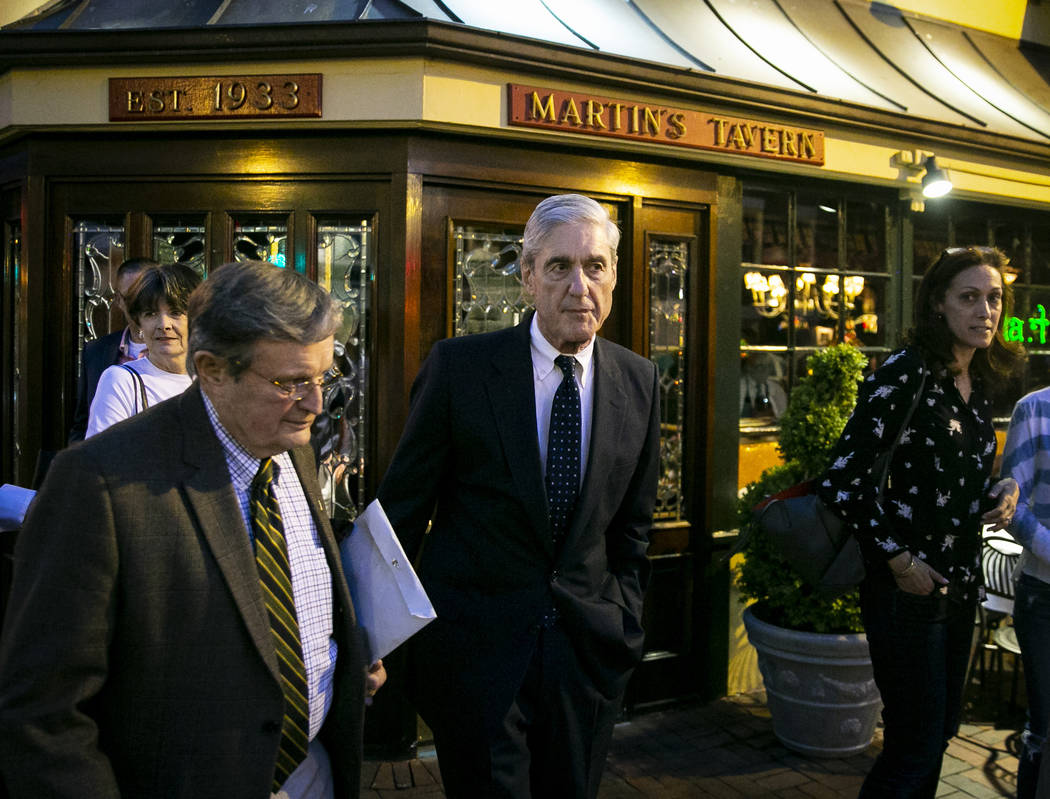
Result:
[131,349]
[544,353]
[243,465]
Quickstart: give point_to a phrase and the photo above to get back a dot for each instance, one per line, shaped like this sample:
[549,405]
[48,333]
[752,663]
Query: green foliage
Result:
[819,406]
[818,409]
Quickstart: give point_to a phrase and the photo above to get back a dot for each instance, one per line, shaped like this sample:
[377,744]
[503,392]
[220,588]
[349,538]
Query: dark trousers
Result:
[1032,623]
[549,743]
[919,650]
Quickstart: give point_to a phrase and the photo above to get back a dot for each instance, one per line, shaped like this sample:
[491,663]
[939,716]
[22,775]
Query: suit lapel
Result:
[512,394]
[607,416]
[212,498]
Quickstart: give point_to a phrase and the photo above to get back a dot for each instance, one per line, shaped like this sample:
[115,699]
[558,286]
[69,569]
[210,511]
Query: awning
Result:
[864,54]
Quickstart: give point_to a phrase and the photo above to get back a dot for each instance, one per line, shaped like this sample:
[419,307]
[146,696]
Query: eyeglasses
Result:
[295,390]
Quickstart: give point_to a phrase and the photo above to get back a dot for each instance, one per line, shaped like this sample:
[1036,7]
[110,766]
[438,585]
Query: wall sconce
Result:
[935,183]
[920,168]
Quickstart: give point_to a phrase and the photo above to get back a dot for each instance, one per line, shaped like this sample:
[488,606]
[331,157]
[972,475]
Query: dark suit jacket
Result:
[98,356]
[136,657]
[469,459]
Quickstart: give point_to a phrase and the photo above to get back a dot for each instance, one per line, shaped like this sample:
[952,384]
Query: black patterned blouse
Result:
[939,478]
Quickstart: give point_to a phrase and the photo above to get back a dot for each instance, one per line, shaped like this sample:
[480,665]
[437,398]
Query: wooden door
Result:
[324,229]
[471,240]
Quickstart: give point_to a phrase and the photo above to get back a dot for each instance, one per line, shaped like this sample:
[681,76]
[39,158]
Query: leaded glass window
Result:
[178,240]
[98,249]
[668,272]
[488,292]
[14,269]
[262,238]
[344,268]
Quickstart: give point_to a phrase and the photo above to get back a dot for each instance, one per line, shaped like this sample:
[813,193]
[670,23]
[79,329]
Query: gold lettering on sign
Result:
[570,114]
[578,112]
[543,110]
[594,114]
[676,123]
[220,97]
[808,145]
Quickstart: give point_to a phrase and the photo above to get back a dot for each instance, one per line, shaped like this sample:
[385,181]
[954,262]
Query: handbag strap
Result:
[888,455]
[141,387]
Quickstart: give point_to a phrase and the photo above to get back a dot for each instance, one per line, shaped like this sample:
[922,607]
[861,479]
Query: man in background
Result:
[120,346]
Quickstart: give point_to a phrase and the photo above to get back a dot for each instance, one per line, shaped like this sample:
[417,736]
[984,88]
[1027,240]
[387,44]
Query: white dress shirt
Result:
[546,377]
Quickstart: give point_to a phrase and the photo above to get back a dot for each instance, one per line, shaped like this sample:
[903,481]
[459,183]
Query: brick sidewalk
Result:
[727,749]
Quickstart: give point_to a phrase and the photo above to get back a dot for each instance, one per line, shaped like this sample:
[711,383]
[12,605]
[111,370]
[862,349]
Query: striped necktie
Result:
[563,449]
[271,557]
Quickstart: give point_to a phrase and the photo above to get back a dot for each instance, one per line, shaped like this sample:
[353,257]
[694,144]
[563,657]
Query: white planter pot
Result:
[819,688]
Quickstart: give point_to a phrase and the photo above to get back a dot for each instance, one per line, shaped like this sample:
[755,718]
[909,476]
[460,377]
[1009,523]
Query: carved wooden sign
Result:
[577,112]
[219,97]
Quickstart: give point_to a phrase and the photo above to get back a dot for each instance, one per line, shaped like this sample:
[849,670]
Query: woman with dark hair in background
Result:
[157,303]
[922,543]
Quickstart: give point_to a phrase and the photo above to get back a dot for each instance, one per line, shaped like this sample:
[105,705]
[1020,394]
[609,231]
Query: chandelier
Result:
[769,294]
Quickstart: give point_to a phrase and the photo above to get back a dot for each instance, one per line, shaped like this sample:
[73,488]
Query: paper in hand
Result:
[389,600]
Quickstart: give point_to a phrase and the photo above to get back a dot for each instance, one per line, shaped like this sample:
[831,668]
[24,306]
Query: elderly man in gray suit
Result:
[179,623]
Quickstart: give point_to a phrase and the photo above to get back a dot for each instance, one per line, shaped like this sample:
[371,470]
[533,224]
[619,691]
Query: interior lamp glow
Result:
[935,183]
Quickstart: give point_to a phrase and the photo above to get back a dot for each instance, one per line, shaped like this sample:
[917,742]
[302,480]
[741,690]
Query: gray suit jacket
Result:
[136,657]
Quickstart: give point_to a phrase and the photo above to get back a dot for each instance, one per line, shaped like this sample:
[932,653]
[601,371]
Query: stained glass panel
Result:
[181,241]
[98,249]
[14,264]
[668,270]
[488,292]
[344,268]
[261,239]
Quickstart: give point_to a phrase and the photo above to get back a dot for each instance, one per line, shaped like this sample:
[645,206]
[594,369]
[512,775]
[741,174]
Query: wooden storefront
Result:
[406,194]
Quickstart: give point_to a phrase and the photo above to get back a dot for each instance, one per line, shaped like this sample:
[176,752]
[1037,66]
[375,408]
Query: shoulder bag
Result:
[811,538]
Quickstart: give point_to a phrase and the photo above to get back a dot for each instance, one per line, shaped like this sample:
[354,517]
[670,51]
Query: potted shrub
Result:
[811,649]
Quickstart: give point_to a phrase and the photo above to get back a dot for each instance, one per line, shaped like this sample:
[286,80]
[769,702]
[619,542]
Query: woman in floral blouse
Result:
[922,544]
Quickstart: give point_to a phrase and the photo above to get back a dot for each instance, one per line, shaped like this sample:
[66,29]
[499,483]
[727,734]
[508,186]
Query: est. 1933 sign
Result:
[219,97]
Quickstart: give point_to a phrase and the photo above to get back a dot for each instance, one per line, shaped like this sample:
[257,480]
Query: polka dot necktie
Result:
[275,577]
[563,449]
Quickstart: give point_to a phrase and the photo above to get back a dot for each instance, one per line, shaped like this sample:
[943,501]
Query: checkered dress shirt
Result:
[311,578]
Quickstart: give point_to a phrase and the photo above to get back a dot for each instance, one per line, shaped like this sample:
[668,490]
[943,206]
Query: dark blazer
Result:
[469,459]
[136,657]
[98,355]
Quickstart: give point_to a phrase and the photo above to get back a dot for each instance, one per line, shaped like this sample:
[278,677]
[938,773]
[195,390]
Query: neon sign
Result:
[1014,328]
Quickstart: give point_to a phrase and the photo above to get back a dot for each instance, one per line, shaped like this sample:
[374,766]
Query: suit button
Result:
[271,726]
[555,575]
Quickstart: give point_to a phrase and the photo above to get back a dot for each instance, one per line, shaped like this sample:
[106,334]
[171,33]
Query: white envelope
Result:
[390,602]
